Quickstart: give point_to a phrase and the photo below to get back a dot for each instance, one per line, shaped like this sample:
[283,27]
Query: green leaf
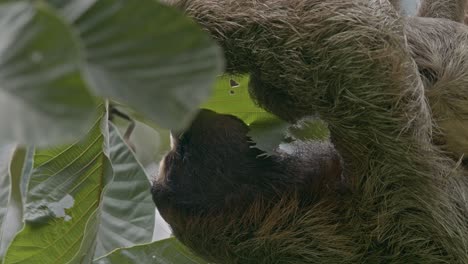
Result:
[27,171]
[39,70]
[151,143]
[268,134]
[128,210]
[6,156]
[309,129]
[231,96]
[145,55]
[11,216]
[62,205]
[169,251]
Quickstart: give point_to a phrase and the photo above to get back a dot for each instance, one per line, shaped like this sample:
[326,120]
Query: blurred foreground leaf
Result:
[143,54]
[146,55]
[39,70]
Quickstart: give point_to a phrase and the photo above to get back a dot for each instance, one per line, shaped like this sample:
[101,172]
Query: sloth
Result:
[391,186]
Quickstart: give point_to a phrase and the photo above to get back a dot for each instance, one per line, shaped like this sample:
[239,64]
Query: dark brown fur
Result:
[226,170]
[369,74]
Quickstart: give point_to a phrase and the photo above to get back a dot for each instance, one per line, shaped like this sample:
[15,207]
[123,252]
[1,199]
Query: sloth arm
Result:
[438,48]
[450,9]
[349,62]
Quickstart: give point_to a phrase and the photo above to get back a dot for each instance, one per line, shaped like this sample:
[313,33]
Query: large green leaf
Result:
[6,155]
[231,96]
[146,55]
[61,209]
[169,251]
[128,210]
[39,70]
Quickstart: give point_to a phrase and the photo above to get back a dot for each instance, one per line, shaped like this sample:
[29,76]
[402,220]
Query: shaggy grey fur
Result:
[389,88]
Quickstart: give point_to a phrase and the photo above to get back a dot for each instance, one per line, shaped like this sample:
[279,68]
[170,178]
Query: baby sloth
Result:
[214,173]
[214,166]
[394,93]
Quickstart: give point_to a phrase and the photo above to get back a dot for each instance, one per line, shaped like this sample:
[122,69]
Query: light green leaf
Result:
[6,155]
[128,210]
[26,172]
[169,251]
[268,134]
[39,71]
[309,129]
[145,55]
[63,198]
[151,145]
[150,142]
[13,219]
[86,250]
[231,96]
